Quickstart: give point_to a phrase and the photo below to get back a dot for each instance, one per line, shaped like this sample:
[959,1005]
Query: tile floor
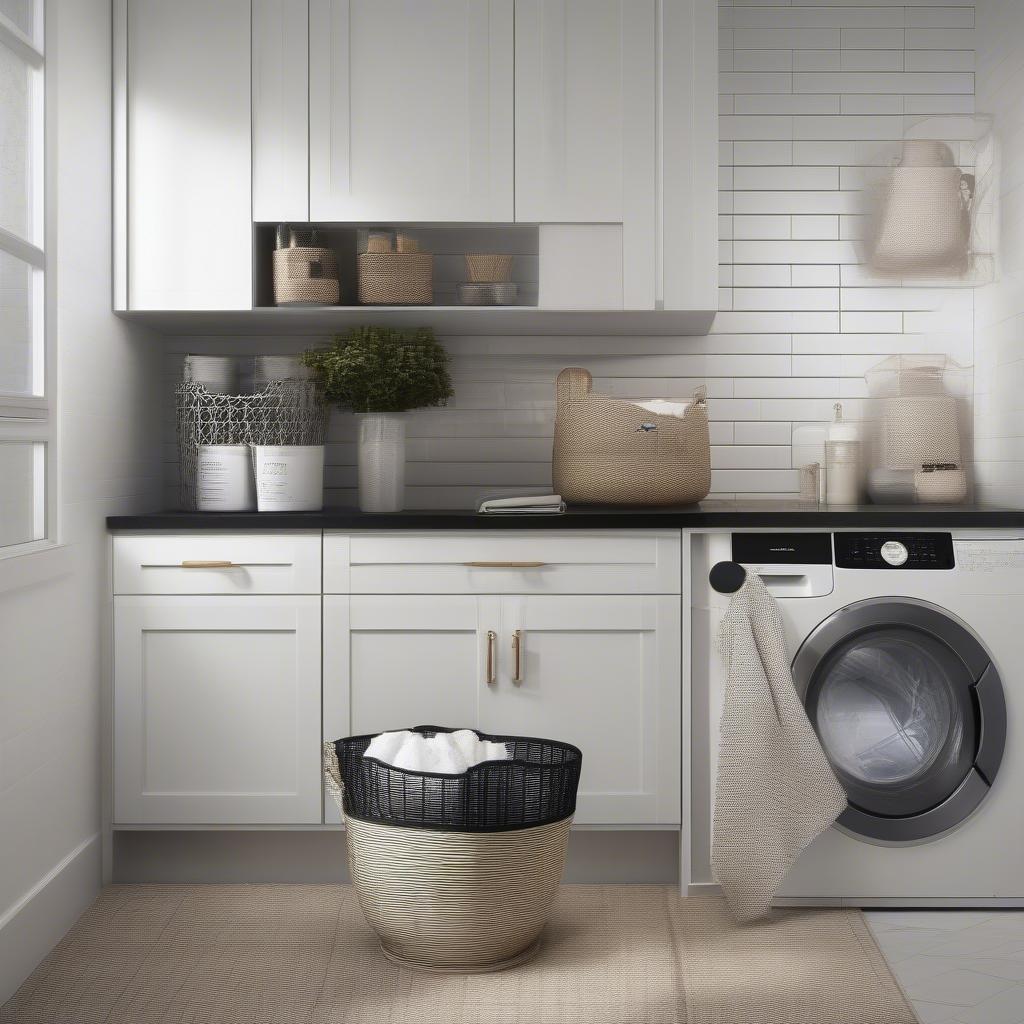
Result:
[958,967]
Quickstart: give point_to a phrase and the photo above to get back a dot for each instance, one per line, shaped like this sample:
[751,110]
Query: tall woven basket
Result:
[611,452]
[457,873]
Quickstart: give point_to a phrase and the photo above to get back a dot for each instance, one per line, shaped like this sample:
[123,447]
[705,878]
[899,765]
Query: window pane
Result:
[22,13]
[21,325]
[20,125]
[22,492]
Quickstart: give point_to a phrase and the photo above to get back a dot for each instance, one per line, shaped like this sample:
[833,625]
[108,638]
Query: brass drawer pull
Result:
[504,565]
[491,637]
[517,652]
[192,563]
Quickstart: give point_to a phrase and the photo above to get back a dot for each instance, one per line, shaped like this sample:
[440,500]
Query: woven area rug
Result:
[292,954]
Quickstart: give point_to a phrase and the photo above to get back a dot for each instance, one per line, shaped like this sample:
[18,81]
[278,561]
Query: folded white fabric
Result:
[446,753]
[661,407]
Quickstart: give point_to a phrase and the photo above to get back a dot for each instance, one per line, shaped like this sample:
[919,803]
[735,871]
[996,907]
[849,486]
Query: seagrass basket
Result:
[396,278]
[305,276]
[457,873]
[612,452]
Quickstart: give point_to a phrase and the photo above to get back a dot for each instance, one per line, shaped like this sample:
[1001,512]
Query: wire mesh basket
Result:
[283,412]
[535,786]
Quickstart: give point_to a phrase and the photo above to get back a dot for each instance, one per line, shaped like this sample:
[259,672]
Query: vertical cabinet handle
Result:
[517,654]
[491,637]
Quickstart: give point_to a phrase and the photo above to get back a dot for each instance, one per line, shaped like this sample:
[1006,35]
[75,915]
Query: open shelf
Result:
[445,320]
[447,244]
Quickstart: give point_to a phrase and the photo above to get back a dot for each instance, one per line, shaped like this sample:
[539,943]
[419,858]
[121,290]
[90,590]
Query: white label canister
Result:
[224,481]
[289,478]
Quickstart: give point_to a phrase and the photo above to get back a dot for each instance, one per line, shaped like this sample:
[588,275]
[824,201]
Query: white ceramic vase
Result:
[381,461]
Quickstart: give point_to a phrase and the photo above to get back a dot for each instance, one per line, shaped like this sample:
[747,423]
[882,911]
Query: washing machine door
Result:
[910,712]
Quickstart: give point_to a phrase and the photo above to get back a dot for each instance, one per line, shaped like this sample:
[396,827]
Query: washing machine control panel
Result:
[894,550]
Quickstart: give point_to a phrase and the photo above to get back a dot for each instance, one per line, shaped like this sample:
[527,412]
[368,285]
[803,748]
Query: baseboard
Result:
[318,857]
[880,902]
[36,923]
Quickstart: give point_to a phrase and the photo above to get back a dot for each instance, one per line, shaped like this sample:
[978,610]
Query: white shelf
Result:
[445,320]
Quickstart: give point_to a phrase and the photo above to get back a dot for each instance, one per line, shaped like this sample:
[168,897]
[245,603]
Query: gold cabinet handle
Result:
[491,637]
[517,653]
[192,563]
[504,565]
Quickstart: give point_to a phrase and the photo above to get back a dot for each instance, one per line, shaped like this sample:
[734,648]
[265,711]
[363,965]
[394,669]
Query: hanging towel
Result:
[776,790]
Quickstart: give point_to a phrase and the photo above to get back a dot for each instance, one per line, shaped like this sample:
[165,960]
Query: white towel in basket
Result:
[445,753]
[776,790]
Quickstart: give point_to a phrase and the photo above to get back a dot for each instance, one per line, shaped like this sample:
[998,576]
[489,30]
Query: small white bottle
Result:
[842,458]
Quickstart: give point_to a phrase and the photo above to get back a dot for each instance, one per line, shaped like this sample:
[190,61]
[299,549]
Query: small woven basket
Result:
[487,268]
[396,279]
[305,276]
[457,873]
[611,452]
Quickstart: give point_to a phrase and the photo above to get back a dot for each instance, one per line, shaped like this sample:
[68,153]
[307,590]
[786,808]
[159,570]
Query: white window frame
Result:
[33,418]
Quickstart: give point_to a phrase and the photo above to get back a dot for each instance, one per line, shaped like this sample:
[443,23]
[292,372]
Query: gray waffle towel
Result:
[776,790]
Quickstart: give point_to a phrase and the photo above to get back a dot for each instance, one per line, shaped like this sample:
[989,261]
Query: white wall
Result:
[999,379]
[51,633]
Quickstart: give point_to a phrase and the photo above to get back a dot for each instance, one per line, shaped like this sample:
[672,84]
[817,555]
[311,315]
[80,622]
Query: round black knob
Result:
[727,577]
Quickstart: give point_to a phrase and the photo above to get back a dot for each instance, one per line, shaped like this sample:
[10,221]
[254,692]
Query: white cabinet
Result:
[616,150]
[411,110]
[217,710]
[183,205]
[586,148]
[600,672]
[280,110]
[399,661]
[585,109]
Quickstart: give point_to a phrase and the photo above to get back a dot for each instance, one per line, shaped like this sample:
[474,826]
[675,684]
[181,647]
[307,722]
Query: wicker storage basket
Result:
[457,873]
[305,276]
[396,278]
[488,267]
[611,452]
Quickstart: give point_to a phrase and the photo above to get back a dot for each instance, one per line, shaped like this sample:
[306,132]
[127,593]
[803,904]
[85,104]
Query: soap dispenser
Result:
[842,461]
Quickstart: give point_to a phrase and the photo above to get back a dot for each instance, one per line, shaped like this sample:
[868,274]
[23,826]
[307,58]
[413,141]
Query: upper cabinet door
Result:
[187,149]
[411,110]
[280,110]
[586,131]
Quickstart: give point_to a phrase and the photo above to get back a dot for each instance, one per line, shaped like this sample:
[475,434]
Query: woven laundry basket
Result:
[457,873]
[611,452]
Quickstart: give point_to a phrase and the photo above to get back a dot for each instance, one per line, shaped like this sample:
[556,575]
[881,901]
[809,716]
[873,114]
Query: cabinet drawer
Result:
[217,563]
[503,562]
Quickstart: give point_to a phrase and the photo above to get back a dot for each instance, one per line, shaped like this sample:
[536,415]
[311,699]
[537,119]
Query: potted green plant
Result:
[379,374]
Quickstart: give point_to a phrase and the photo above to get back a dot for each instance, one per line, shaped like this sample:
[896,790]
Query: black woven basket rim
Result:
[492,737]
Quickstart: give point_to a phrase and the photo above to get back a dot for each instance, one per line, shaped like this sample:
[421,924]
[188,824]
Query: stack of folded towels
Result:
[445,753]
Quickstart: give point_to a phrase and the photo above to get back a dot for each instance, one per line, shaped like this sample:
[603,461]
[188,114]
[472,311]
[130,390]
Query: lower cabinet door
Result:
[602,673]
[392,662]
[217,710]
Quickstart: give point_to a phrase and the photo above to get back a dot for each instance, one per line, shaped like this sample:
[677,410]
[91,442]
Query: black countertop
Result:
[725,515]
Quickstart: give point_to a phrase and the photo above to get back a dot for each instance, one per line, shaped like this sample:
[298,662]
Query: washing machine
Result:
[908,652]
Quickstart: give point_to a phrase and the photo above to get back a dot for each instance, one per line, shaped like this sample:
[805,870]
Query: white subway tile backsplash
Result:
[762,276]
[815,227]
[904,82]
[746,226]
[786,298]
[786,38]
[815,276]
[785,178]
[788,104]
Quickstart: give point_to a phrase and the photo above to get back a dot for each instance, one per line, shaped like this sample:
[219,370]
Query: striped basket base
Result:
[457,902]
